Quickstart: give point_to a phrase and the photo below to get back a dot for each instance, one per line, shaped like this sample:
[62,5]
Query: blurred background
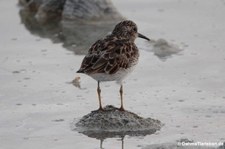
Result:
[179,79]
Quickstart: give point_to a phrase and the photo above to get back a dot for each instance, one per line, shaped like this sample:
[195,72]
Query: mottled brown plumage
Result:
[109,55]
[113,57]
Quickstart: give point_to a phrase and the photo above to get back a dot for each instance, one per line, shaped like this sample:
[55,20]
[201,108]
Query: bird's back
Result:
[109,56]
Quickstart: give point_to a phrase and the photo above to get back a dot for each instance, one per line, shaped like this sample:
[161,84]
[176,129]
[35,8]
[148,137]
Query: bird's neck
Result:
[117,37]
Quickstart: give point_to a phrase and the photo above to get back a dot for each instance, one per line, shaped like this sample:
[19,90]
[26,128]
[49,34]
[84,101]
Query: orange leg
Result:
[99,96]
[121,98]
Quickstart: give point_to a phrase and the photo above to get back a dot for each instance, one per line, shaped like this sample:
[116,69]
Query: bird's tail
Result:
[80,71]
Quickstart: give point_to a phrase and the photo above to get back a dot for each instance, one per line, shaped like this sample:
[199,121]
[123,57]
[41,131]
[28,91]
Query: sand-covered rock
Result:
[113,122]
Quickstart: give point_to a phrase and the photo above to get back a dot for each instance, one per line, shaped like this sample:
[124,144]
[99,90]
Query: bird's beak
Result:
[142,36]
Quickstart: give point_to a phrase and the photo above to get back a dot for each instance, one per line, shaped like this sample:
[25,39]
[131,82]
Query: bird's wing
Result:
[108,57]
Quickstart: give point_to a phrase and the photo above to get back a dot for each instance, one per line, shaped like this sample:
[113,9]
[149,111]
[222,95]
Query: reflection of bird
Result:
[122,142]
[113,57]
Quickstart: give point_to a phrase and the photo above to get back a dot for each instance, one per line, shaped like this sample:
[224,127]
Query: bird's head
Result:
[127,30]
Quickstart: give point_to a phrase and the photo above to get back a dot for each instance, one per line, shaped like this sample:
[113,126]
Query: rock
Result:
[75,23]
[44,10]
[112,122]
[90,10]
[77,10]
[31,5]
[50,10]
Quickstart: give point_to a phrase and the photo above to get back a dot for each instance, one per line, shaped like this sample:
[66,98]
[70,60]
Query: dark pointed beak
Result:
[142,36]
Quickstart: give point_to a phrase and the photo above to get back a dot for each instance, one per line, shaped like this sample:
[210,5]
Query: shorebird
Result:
[113,58]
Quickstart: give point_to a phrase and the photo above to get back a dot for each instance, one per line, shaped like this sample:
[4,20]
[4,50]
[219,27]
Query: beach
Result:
[185,91]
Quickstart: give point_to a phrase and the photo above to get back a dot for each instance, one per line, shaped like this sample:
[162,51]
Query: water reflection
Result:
[104,135]
[110,135]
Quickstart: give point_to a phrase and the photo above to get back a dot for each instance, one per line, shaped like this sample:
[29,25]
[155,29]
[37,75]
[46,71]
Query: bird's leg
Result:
[99,96]
[121,98]
[122,140]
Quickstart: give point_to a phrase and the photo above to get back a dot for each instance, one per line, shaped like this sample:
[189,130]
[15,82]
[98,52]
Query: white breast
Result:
[119,76]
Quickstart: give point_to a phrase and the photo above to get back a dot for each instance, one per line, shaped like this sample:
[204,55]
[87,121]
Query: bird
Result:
[113,57]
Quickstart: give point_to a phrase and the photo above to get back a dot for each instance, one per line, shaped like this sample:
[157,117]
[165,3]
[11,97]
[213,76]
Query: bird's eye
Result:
[135,29]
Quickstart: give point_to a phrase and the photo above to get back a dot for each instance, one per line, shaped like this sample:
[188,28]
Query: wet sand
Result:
[185,92]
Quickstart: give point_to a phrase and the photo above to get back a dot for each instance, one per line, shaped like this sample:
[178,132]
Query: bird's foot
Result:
[121,109]
[100,109]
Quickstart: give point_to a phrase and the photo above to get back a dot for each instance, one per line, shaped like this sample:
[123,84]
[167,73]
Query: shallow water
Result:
[185,91]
